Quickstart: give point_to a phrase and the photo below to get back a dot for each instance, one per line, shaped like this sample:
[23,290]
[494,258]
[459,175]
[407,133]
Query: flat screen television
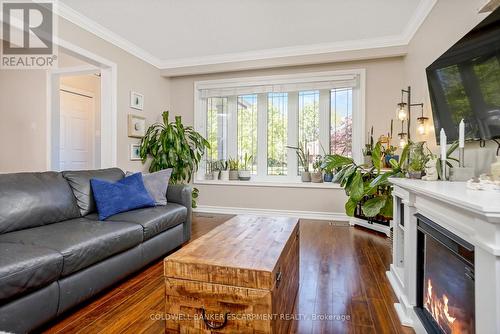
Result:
[464,83]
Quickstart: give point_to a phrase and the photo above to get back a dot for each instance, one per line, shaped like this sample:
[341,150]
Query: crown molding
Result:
[95,28]
[395,41]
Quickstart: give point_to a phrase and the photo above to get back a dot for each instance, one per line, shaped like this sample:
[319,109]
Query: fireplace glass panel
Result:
[448,289]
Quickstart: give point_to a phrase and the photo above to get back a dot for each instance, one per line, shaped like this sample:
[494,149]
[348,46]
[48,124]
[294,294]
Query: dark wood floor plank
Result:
[342,277]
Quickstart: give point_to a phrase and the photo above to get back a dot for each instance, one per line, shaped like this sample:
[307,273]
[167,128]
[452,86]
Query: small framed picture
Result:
[136,126]
[136,101]
[135,152]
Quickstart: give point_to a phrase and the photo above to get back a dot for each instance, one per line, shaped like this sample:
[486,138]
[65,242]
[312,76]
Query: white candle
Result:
[461,134]
[442,140]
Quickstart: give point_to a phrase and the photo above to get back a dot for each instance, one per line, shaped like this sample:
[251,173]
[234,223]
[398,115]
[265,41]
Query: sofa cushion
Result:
[24,268]
[34,199]
[124,195]
[156,184]
[80,184]
[82,242]
[153,220]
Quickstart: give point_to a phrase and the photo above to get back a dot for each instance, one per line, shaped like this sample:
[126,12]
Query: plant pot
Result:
[368,160]
[224,175]
[328,177]
[389,157]
[244,175]
[415,175]
[305,176]
[233,175]
[317,177]
[209,176]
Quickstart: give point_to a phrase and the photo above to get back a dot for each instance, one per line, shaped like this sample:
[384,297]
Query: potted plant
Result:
[210,170]
[369,191]
[317,174]
[233,169]
[303,156]
[417,160]
[224,170]
[328,176]
[389,153]
[173,145]
[367,151]
[244,173]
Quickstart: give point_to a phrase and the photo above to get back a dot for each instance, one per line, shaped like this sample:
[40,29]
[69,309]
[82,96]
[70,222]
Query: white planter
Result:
[244,175]
[224,175]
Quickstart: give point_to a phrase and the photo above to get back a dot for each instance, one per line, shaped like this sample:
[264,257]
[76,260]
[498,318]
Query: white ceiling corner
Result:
[90,17]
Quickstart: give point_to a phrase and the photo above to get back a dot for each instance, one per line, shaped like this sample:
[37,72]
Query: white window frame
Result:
[358,115]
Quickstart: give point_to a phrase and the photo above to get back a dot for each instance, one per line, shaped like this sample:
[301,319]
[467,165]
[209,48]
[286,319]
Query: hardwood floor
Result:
[342,279]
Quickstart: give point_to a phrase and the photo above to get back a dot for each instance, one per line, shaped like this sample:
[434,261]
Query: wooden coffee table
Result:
[241,277]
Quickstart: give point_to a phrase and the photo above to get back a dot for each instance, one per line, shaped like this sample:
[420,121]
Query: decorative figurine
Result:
[431,173]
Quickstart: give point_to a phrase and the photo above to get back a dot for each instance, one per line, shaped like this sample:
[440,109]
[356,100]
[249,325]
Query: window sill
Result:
[324,185]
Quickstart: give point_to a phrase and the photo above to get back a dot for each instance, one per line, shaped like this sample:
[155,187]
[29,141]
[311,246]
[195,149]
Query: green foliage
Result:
[246,161]
[318,162]
[233,164]
[303,155]
[449,152]
[173,145]
[369,186]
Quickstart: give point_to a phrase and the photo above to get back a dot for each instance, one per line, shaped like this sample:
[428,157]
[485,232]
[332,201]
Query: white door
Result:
[76,131]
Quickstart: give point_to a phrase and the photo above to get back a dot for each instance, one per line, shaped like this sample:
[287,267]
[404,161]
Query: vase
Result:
[233,175]
[224,175]
[305,176]
[328,177]
[317,177]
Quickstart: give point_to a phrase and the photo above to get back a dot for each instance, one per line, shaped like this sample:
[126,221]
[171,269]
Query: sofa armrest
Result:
[182,194]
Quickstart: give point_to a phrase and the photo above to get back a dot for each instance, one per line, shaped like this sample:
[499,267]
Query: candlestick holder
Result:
[461,157]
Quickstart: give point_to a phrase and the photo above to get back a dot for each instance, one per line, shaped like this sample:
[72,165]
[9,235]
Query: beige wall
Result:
[23,120]
[449,21]
[384,79]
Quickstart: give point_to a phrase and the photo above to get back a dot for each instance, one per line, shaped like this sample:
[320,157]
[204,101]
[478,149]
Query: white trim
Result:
[271,212]
[95,28]
[323,185]
[414,23]
[109,82]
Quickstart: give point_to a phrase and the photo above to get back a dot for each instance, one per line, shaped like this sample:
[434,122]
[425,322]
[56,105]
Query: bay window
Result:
[263,116]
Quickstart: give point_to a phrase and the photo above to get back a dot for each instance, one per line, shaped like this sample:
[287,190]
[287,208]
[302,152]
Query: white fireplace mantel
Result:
[473,216]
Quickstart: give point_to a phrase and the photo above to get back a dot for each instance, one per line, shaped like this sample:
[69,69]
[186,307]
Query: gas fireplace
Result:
[445,280]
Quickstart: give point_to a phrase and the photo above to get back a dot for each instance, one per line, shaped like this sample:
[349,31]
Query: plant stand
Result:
[353,221]
[378,223]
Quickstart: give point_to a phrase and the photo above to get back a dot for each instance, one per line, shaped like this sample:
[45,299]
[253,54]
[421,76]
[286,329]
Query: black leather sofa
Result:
[55,253]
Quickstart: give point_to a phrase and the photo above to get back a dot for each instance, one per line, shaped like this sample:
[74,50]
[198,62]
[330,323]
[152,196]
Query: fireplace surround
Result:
[445,280]
[464,290]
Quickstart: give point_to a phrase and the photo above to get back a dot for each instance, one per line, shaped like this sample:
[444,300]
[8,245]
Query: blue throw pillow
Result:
[114,197]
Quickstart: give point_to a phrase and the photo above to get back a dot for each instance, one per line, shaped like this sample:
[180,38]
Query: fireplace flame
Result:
[438,307]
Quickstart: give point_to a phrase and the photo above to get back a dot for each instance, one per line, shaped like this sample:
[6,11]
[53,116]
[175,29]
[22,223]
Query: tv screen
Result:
[464,83]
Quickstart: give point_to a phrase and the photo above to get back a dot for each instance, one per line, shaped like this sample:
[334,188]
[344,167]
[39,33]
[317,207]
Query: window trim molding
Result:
[359,103]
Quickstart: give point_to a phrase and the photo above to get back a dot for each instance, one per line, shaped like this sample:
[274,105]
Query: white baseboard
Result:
[271,212]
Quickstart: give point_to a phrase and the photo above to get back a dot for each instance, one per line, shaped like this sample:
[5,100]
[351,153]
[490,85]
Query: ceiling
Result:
[176,32]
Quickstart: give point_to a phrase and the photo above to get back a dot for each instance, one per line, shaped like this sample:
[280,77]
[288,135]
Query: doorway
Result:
[79,122]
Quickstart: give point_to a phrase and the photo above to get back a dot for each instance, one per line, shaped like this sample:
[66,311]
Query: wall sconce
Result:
[404,114]
[422,122]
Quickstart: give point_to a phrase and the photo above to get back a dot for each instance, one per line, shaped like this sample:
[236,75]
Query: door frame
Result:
[108,110]
[90,95]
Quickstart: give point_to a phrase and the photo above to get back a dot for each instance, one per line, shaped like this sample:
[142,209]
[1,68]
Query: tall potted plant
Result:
[233,169]
[303,157]
[244,172]
[174,145]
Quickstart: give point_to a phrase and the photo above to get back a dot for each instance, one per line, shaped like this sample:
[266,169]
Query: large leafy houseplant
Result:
[174,145]
[367,185]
